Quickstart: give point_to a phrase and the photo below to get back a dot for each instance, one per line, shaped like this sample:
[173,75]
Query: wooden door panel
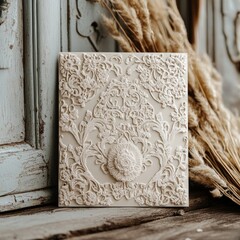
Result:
[12,127]
[28,170]
[22,170]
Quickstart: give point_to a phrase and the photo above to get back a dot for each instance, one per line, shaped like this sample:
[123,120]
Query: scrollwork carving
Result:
[88,22]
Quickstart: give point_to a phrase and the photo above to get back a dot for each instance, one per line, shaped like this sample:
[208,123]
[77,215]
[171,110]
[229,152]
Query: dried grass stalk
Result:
[214,139]
[122,41]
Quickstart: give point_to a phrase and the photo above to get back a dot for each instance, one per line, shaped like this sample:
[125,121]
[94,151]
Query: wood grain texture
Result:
[23,200]
[61,223]
[209,223]
[22,170]
[204,219]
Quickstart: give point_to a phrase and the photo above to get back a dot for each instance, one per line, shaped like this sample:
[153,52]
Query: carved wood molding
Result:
[88,23]
[232,39]
[4,6]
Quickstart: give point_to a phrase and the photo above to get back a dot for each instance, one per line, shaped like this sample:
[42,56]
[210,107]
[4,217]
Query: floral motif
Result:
[80,79]
[138,123]
[69,64]
[65,195]
[124,162]
[68,114]
[179,116]
[90,198]
[118,190]
[163,77]
[125,100]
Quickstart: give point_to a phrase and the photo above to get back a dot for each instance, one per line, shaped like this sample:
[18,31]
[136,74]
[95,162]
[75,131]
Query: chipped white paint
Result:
[22,170]
[26,167]
[31,164]
[10,33]
[123,129]
[28,199]
[12,127]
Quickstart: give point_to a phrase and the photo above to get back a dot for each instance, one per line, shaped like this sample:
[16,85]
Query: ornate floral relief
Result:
[81,79]
[128,130]
[163,77]
[125,100]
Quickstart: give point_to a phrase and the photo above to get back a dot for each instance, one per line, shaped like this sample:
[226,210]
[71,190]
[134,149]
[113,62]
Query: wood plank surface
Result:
[209,223]
[205,219]
[25,199]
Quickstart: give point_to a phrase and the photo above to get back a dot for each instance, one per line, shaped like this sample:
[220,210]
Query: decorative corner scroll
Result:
[89,22]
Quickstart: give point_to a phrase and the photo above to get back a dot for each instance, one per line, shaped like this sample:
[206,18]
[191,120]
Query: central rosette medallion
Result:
[124,161]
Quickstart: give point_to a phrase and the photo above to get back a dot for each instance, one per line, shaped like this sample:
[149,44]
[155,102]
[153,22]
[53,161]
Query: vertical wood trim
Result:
[190,12]
[201,45]
[30,72]
[12,124]
[225,14]
[36,71]
[64,25]
[42,45]
[48,25]
[210,28]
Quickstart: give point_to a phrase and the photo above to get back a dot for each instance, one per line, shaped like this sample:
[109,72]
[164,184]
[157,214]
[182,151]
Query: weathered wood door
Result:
[32,33]
[219,35]
[214,28]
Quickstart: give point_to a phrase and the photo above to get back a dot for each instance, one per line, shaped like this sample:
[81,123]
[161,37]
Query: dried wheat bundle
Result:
[214,138]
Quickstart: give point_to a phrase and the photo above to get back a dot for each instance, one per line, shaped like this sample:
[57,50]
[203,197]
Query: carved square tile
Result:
[123,129]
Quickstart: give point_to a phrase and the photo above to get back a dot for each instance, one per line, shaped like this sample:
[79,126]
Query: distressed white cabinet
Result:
[214,28]
[32,33]
[219,36]
[11,69]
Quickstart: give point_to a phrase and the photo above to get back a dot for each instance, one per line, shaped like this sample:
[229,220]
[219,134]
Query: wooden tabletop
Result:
[206,218]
